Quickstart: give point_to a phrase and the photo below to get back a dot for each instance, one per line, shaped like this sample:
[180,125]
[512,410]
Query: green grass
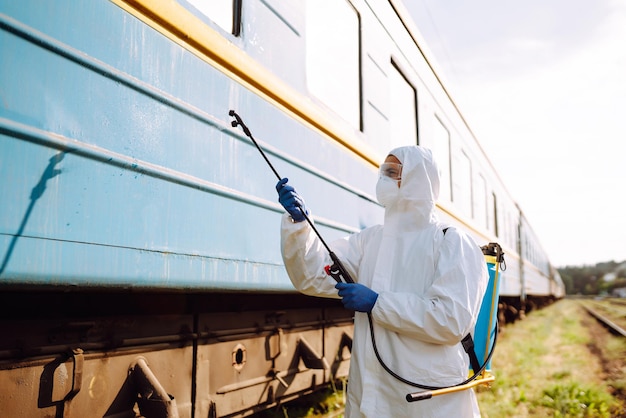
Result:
[575,400]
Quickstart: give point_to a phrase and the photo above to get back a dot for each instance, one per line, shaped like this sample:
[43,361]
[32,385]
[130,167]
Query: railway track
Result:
[610,318]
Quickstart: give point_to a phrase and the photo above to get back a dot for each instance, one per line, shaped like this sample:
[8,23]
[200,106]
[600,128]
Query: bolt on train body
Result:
[140,270]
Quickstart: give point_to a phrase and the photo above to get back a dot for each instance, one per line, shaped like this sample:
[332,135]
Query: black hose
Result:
[419,385]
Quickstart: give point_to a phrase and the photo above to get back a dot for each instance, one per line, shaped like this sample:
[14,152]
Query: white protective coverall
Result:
[430,288]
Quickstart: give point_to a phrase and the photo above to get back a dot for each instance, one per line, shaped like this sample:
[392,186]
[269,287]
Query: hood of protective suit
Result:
[419,190]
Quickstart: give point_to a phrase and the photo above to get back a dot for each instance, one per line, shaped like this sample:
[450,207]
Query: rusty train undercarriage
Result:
[118,355]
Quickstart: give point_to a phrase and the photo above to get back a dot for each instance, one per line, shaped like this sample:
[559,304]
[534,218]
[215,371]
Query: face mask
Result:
[387,191]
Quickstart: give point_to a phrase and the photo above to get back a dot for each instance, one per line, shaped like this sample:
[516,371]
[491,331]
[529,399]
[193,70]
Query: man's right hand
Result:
[291,201]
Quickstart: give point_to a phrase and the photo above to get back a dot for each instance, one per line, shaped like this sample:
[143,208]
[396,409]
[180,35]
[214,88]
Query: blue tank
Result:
[485,330]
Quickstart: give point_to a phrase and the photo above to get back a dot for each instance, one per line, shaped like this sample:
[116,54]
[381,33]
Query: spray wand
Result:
[337,271]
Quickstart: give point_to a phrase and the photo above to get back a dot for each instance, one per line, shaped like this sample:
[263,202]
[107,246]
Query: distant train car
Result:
[535,282]
[140,267]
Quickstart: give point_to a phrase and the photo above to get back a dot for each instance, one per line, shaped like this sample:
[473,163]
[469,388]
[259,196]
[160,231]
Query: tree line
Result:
[600,279]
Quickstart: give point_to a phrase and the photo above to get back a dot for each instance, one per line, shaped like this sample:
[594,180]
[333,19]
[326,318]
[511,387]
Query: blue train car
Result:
[140,268]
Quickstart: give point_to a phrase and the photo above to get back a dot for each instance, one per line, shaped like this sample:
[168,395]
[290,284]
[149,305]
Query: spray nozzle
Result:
[239,122]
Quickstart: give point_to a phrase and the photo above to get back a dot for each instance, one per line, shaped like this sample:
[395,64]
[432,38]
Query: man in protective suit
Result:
[422,286]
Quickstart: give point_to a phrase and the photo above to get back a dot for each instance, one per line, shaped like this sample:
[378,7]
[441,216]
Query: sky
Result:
[542,84]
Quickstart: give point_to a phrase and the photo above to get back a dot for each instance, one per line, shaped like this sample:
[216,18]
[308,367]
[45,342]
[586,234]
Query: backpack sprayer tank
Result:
[480,349]
[486,329]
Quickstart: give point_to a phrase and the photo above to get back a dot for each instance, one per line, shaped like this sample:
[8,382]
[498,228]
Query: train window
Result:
[462,183]
[494,214]
[504,230]
[441,151]
[508,228]
[517,230]
[332,57]
[403,109]
[225,13]
[512,228]
[480,201]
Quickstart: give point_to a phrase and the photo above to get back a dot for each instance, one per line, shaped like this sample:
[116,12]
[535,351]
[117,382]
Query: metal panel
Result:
[251,360]
[65,367]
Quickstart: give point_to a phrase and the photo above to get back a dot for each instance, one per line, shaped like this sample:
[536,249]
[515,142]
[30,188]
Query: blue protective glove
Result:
[291,201]
[357,297]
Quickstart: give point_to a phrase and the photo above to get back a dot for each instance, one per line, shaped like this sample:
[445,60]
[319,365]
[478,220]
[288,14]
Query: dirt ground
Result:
[614,367]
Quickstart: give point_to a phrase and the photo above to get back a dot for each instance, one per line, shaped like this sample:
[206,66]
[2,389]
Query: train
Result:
[140,266]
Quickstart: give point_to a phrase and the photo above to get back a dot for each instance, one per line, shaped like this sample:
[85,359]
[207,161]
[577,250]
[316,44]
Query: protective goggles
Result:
[391,170]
